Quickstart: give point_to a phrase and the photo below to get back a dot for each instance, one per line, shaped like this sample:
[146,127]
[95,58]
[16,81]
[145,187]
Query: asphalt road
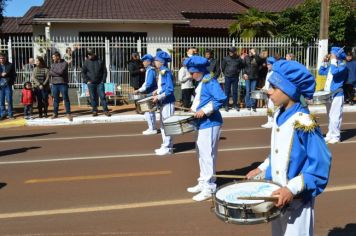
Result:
[105,180]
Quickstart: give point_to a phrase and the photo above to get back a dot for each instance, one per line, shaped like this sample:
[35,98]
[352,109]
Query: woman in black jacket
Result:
[137,71]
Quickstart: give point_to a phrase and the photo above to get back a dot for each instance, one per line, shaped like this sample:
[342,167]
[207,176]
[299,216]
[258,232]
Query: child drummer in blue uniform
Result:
[336,75]
[149,86]
[208,100]
[164,96]
[299,159]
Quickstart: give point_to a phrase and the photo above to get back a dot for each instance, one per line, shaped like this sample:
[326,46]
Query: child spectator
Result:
[27,100]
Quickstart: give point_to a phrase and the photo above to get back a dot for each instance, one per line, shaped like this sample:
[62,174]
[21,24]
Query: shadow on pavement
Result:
[182,147]
[2,185]
[241,171]
[347,134]
[16,151]
[26,136]
[349,230]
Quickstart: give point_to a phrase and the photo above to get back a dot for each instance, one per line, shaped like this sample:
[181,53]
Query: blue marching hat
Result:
[293,79]
[163,57]
[271,60]
[147,57]
[338,52]
[196,64]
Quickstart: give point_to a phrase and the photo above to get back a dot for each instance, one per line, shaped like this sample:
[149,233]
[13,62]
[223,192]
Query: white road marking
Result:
[127,206]
[121,135]
[141,155]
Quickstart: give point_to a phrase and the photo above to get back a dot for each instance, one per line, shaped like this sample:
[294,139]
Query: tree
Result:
[253,24]
[303,22]
[2,6]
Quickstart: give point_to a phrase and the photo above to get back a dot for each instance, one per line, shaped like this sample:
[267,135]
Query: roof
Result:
[131,10]
[210,23]
[11,25]
[271,5]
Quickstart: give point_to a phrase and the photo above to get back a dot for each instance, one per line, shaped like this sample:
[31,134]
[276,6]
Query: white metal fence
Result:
[116,52]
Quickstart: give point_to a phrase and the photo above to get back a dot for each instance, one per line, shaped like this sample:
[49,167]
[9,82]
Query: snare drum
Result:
[258,95]
[145,105]
[321,97]
[230,209]
[135,97]
[179,124]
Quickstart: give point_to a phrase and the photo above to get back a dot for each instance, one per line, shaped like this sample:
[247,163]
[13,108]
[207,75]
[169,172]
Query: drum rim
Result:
[243,181]
[190,118]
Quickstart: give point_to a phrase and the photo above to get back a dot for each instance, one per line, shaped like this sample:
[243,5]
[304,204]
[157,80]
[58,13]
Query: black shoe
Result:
[237,108]
[95,113]
[249,108]
[351,103]
[226,108]
[45,115]
[254,109]
[54,116]
[108,114]
[40,115]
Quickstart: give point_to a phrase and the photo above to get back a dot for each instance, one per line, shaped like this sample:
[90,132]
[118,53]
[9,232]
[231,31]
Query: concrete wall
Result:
[73,30]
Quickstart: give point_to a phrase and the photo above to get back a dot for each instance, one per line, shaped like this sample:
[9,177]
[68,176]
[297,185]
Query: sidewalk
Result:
[127,113]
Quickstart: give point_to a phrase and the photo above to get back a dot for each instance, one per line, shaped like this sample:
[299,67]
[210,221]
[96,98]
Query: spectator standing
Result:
[40,78]
[7,80]
[252,63]
[59,81]
[231,67]
[94,74]
[290,57]
[137,71]
[187,86]
[28,68]
[349,86]
[214,65]
[27,99]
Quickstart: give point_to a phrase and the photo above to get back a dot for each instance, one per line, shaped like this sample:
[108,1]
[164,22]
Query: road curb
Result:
[118,118]
[13,123]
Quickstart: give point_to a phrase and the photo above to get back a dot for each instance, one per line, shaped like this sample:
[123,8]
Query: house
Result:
[141,18]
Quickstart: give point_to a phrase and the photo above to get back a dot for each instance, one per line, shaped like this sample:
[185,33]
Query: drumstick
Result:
[231,176]
[183,108]
[269,199]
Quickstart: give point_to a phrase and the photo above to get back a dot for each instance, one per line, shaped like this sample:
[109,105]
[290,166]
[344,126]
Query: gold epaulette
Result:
[208,78]
[305,122]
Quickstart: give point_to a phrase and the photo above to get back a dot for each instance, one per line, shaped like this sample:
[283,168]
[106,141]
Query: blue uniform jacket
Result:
[212,93]
[309,156]
[150,84]
[166,95]
[339,73]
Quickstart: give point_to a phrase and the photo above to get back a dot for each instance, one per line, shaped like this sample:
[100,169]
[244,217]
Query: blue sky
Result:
[20,7]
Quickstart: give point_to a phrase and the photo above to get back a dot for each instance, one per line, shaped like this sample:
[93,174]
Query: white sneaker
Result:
[164,151]
[327,139]
[268,125]
[149,132]
[202,196]
[333,141]
[196,189]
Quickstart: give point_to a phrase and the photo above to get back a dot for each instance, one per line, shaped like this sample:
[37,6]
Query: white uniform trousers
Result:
[298,220]
[151,120]
[167,110]
[207,150]
[334,111]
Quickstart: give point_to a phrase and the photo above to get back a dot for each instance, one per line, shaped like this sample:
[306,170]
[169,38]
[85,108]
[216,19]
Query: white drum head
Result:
[175,119]
[145,99]
[231,192]
[321,93]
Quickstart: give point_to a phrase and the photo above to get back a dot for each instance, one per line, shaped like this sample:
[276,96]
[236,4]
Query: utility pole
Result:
[324,31]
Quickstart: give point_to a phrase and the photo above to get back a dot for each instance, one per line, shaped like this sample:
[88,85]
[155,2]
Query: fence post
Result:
[139,46]
[9,50]
[107,59]
[308,57]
